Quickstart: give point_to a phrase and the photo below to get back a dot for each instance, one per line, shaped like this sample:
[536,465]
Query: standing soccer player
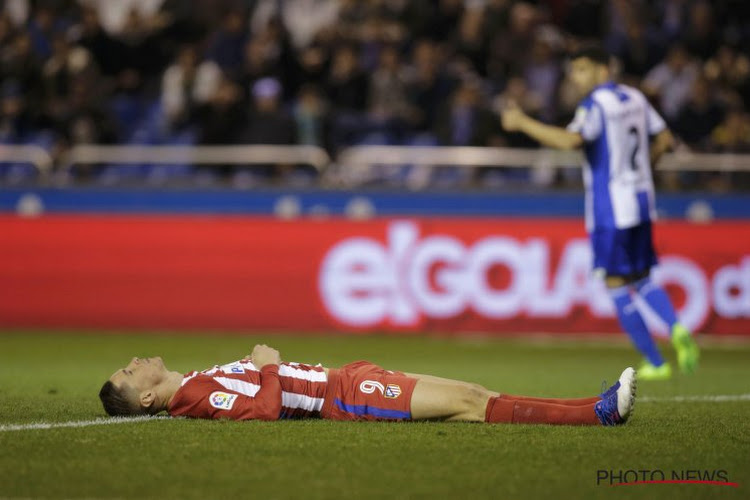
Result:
[621,136]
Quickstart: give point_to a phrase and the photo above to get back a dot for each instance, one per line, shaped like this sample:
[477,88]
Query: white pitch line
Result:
[80,423]
[706,398]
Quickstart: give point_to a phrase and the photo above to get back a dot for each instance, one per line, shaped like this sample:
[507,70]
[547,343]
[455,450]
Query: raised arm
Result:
[515,120]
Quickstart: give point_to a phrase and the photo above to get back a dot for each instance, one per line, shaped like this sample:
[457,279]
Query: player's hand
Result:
[263,355]
[511,117]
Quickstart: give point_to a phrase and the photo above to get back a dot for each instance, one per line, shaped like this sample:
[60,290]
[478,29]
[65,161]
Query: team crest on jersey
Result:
[392,391]
[222,400]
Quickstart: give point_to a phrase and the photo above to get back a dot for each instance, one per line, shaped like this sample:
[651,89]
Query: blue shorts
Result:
[623,252]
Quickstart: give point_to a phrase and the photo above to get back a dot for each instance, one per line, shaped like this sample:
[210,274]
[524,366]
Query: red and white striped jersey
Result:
[239,391]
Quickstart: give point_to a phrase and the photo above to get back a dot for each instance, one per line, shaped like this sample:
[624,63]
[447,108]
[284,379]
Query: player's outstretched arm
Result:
[661,143]
[515,120]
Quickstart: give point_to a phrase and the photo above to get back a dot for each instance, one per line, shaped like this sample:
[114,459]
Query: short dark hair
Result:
[593,52]
[115,401]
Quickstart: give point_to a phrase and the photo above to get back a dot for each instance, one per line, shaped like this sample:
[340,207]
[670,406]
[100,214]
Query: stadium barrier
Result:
[351,165]
[30,154]
[467,156]
[493,275]
[251,154]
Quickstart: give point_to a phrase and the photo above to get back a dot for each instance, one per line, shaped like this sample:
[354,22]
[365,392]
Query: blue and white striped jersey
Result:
[615,122]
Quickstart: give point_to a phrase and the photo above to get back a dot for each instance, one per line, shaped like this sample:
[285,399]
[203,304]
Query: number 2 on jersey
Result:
[634,140]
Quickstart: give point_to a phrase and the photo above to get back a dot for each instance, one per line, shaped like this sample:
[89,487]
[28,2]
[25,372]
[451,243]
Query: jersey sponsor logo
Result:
[233,368]
[392,391]
[222,400]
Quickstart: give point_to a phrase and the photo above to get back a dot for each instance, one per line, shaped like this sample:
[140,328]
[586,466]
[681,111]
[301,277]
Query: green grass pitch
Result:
[55,377]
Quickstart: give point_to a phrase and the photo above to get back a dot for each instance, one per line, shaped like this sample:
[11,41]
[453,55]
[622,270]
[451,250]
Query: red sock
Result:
[501,410]
[566,402]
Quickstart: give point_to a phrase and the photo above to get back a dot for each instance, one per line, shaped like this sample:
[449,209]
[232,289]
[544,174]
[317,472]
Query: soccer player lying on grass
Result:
[262,387]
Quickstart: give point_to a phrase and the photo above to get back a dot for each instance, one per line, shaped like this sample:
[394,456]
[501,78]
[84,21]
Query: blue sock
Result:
[658,300]
[632,322]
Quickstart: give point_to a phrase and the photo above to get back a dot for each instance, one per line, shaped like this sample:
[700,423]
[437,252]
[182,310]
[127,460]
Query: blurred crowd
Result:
[336,73]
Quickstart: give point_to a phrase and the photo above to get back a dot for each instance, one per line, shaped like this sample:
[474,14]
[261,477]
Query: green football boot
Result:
[687,350]
[647,371]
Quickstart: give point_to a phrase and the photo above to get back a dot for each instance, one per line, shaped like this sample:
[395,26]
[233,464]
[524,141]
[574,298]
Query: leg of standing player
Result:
[621,255]
[658,301]
[654,367]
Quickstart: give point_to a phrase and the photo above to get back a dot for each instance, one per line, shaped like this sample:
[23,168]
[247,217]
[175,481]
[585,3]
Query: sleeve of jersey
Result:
[213,401]
[587,122]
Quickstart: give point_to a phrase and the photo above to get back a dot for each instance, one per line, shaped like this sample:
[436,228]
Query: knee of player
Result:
[473,398]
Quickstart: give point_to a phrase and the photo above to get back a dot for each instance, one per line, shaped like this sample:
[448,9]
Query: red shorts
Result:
[365,391]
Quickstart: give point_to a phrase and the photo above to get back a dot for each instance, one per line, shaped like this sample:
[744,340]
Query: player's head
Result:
[589,67]
[132,390]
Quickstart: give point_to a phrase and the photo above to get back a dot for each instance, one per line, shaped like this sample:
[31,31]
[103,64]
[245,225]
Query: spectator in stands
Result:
[509,48]
[18,62]
[347,88]
[312,63]
[227,44]
[470,42]
[446,18]
[268,123]
[114,17]
[733,134]
[311,118]
[347,85]
[6,31]
[108,52]
[267,54]
[639,48]
[583,18]
[142,53]
[542,71]
[496,17]
[428,84]
[223,117]
[65,64]
[83,117]
[465,121]
[387,101]
[16,122]
[700,115]
[40,30]
[187,84]
[729,69]
[303,18]
[702,39]
[670,81]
